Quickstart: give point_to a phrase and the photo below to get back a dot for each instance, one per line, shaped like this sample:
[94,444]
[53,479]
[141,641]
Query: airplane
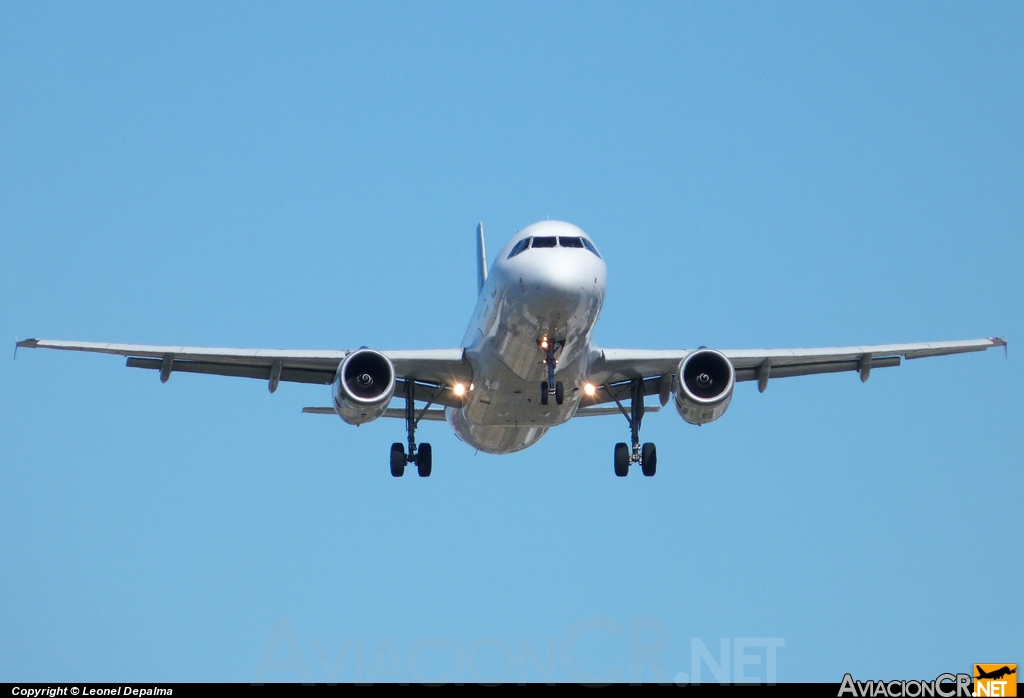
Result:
[526,363]
[996,674]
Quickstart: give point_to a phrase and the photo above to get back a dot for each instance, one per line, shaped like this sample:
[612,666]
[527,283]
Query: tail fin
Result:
[481,258]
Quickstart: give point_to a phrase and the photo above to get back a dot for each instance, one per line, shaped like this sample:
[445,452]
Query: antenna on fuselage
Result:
[481,258]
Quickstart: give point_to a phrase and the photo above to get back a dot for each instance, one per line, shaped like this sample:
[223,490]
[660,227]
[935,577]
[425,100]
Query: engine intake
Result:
[363,386]
[704,385]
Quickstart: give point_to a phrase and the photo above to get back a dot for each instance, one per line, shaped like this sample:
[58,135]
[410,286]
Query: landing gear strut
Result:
[647,455]
[550,386]
[421,456]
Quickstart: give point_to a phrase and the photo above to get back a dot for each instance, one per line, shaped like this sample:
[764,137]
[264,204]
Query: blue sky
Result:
[310,176]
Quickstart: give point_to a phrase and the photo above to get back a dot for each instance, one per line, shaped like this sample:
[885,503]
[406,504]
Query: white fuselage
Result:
[542,293]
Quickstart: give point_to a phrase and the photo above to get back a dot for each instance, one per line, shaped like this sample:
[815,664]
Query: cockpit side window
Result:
[590,246]
[519,247]
[545,241]
[570,242]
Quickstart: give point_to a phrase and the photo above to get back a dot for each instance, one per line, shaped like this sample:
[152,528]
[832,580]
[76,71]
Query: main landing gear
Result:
[551,386]
[421,456]
[647,455]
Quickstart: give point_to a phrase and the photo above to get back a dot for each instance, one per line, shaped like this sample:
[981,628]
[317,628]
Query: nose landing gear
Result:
[421,456]
[551,386]
[645,456]
[558,392]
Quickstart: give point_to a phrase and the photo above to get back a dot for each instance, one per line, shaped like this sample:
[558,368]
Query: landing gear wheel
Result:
[397,460]
[559,393]
[621,460]
[649,460]
[423,458]
[544,393]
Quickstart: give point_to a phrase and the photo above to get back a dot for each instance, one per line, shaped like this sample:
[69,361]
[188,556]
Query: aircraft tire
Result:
[559,393]
[397,460]
[544,393]
[621,460]
[649,460]
[424,457]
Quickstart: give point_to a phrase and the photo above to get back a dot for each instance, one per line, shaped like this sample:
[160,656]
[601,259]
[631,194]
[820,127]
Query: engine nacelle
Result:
[704,384]
[363,386]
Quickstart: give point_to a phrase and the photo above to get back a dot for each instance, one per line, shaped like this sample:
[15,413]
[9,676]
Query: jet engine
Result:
[363,386]
[704,384]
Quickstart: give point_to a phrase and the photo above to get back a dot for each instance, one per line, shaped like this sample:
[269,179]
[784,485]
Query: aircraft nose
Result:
[562,275]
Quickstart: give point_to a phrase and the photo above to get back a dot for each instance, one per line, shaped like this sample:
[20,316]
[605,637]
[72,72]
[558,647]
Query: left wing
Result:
[614,368]
[431,368]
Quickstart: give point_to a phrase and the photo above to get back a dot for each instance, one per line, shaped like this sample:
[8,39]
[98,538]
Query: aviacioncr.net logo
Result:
[943,686]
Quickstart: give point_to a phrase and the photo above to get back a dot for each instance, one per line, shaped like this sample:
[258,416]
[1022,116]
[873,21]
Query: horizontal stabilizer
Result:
[601,411]
[393,413]
[438,415]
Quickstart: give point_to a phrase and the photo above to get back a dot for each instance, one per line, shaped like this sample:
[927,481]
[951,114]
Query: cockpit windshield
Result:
[553,241]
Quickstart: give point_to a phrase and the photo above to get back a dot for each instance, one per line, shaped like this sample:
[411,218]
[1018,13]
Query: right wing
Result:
[434,370]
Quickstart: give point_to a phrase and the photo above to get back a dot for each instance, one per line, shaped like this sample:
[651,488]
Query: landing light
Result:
[544,343]
[459,389]
[589,390]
